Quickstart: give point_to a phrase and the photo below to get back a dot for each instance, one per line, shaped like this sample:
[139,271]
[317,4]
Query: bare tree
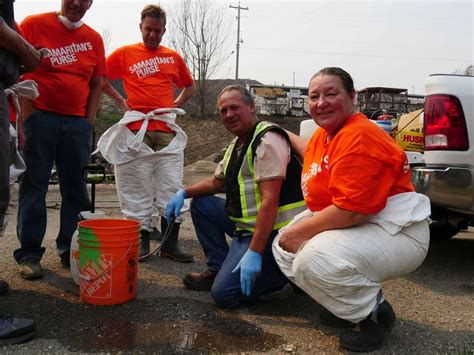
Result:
[469,70]
[199,31]
[106,38]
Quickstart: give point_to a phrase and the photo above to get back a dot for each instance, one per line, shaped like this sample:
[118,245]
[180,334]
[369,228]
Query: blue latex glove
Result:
[250,267]
[173,208]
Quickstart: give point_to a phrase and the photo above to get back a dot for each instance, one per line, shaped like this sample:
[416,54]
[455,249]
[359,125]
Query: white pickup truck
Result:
[447,176]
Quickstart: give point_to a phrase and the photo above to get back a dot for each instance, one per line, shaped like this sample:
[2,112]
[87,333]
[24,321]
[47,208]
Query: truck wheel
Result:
[442,230]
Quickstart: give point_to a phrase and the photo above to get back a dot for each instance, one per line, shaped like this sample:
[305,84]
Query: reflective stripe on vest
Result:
[250,198]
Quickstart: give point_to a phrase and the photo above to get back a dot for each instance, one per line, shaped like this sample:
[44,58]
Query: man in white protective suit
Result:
[147,146]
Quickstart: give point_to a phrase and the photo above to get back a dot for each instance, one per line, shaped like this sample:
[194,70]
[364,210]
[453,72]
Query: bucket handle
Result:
[88,279]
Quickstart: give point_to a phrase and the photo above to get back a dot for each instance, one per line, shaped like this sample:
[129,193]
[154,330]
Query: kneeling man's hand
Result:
[173,208]
[250,267]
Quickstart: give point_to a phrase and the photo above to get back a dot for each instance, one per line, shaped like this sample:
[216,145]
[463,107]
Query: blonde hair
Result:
[154,11]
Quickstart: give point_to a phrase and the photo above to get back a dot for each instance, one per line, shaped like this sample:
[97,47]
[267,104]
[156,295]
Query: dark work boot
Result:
[295,288]
[144,244]
[369,338]
[371,333]
[330,320]
[156,235]
[4,287]
[386,316]
[200,281]
[169,247]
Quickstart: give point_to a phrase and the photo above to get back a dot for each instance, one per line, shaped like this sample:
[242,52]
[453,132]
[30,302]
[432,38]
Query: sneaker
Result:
[31,269]
[15,330]
[4,287]
[200,281]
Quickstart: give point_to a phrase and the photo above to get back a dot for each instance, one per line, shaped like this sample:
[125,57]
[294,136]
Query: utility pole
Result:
[238,38]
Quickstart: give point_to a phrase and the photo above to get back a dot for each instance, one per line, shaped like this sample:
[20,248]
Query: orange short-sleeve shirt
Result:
[357,170]
[149,77]
[76,57]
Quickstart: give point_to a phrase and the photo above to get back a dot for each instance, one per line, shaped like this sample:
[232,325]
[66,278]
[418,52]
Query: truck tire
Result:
[442,230]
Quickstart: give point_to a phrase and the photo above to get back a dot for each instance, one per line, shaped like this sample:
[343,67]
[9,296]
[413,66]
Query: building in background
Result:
[273,100]
[372,100]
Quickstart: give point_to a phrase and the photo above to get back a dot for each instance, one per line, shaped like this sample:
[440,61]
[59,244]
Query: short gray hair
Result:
[246,95]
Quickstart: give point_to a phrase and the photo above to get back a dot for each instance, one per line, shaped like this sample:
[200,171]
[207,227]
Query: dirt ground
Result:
[434,304]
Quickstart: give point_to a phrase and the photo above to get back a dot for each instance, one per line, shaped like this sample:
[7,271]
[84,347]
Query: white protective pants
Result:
[28,89]
[343,269]
[141,182]
[145,177]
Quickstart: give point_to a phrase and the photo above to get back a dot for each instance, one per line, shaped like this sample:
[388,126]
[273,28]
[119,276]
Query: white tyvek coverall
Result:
[343,269]
[143,175]
[28,89]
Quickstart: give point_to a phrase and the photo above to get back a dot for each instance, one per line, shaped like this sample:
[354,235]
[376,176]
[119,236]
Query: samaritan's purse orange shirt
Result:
[76,56]
[357,170]
[149,77]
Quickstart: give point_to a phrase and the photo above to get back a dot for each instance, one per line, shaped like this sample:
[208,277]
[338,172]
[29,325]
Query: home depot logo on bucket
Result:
[95,278]
[108,253]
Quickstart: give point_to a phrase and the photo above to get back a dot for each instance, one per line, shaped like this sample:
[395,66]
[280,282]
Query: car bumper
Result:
[447,187]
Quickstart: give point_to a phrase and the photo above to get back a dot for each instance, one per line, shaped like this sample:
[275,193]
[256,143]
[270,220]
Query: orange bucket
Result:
[108,260]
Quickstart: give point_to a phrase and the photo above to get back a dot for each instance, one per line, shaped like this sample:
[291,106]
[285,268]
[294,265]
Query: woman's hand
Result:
[291,239]
[332,217]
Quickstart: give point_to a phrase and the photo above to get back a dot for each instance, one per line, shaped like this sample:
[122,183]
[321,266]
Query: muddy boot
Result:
[144,244]
[200,281]
[169,248]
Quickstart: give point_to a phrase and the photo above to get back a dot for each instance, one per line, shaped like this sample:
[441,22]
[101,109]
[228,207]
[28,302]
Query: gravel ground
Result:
[434,306]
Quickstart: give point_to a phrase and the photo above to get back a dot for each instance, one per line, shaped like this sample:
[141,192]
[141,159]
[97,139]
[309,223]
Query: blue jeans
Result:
[212,223]
[64,140]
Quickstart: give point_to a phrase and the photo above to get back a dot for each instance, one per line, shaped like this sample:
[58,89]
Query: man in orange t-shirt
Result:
[58,126]
[150,72]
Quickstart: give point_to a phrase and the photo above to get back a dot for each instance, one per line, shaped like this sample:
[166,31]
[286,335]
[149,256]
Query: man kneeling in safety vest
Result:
[261,179]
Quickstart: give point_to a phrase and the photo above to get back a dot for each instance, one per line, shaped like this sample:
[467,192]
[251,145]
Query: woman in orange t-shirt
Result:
[364,223]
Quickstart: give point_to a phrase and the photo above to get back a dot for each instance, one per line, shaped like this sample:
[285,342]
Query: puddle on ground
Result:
[124,335]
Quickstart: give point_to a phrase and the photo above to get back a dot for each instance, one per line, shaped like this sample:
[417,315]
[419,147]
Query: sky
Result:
[379,42]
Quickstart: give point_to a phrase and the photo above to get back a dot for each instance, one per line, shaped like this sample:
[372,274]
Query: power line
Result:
[238,38]
[357,55]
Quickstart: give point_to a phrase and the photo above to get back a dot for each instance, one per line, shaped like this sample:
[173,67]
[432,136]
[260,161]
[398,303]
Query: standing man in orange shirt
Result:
[154,168]
[58,127]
